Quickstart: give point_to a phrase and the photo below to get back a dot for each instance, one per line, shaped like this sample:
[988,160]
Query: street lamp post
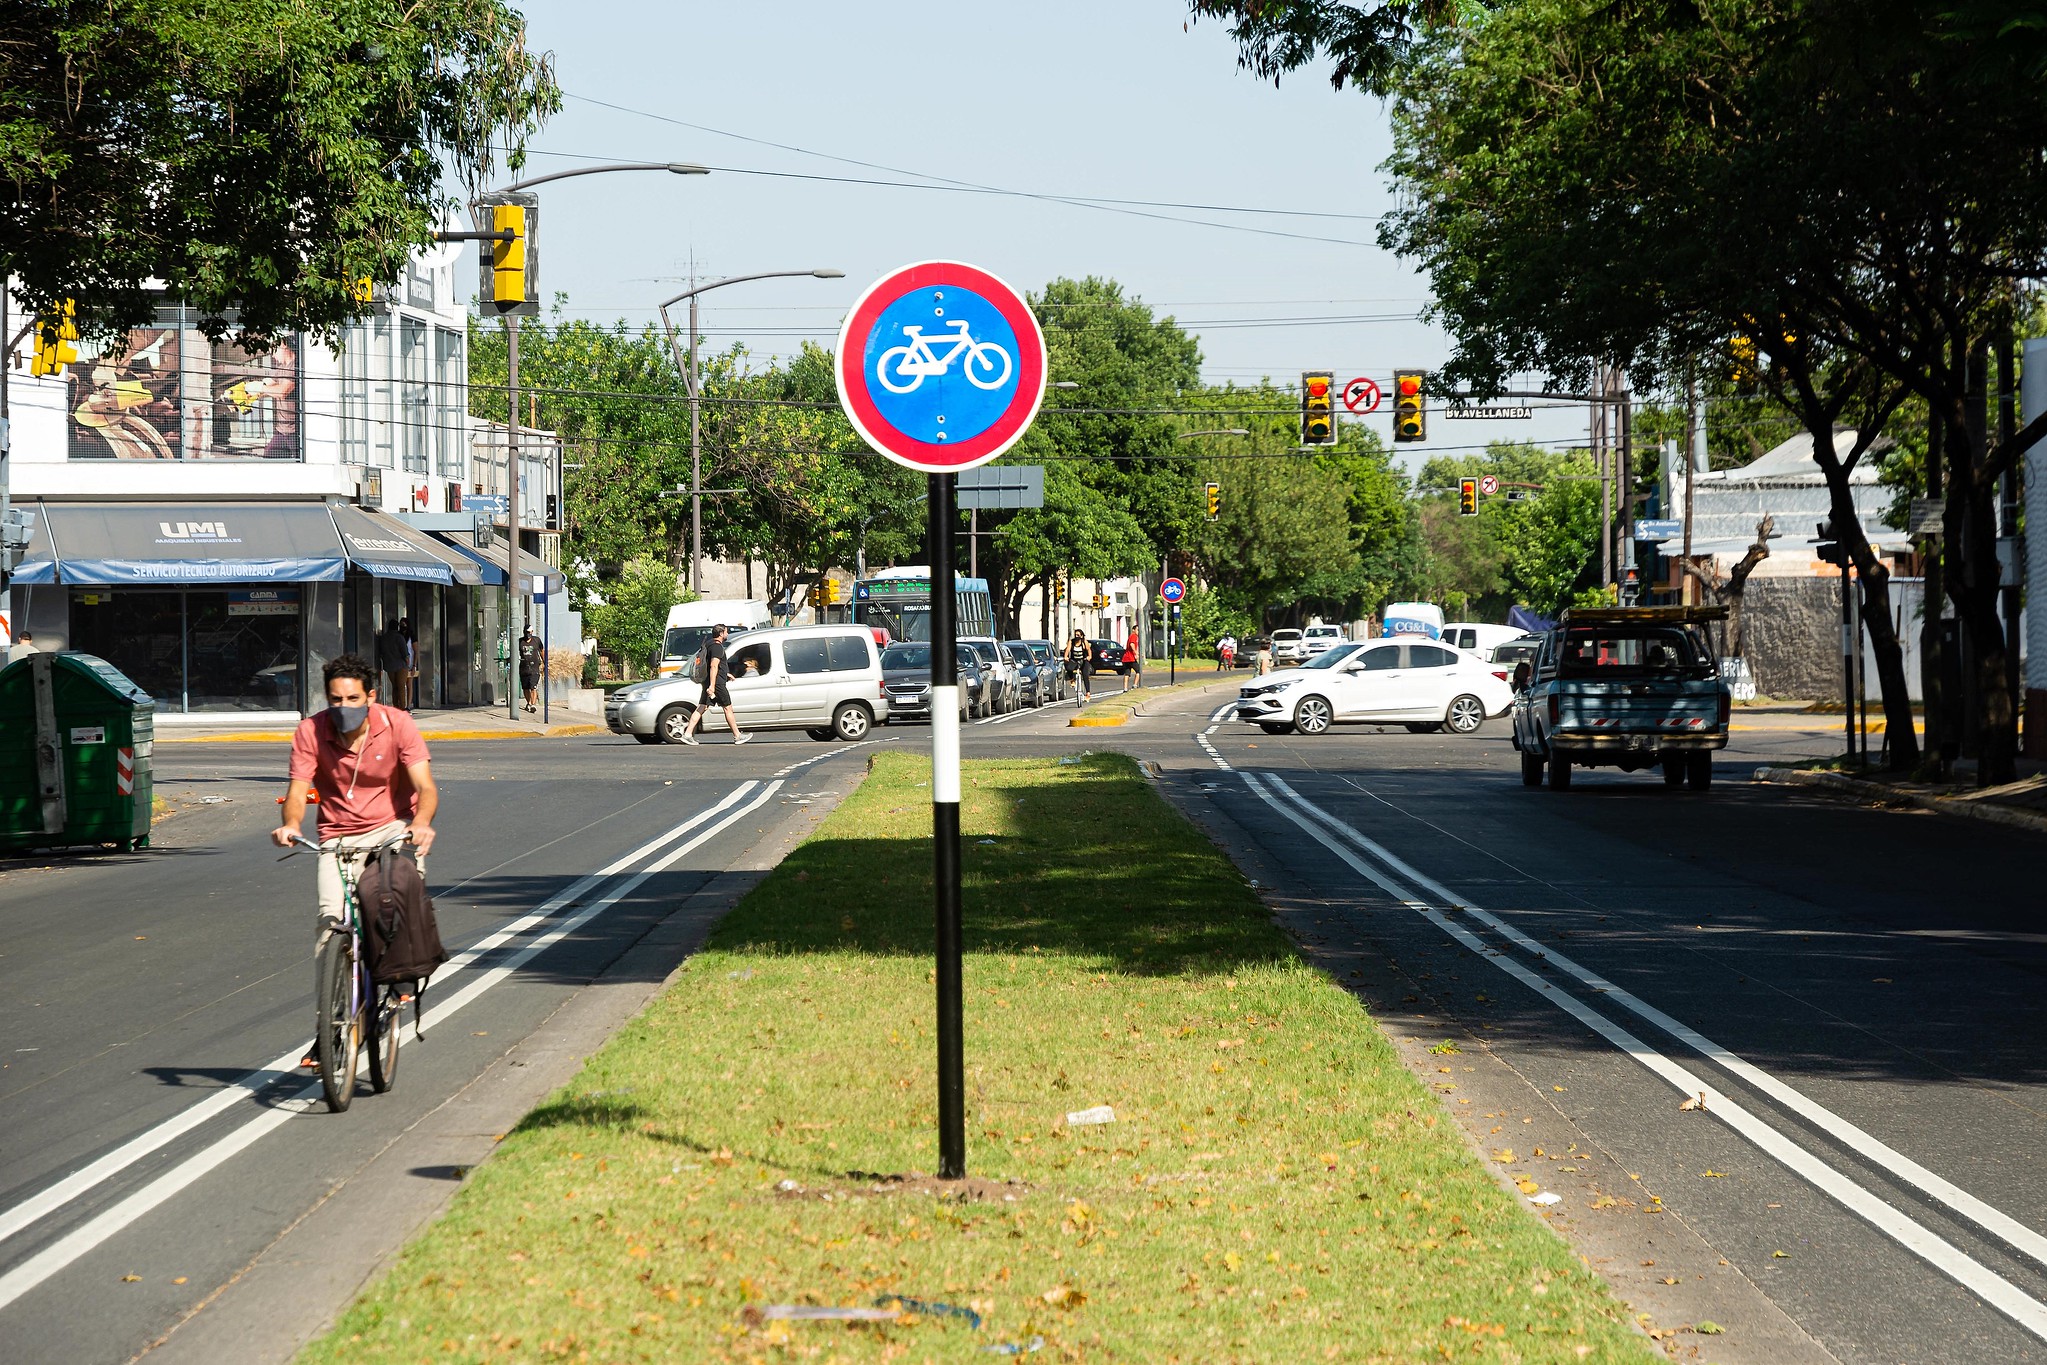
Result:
[689,374]
[511,320]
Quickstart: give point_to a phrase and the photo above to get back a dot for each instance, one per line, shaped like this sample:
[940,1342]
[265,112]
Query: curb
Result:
[431,737]
[1091,722]
[1859,787]
[1138,708]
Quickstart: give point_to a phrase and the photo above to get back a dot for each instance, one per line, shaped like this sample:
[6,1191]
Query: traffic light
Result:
[830,593]
[1214,495]
[56,343]
[1058,590]
[510,280]
[1467,497]
[1318,412]
[554,512]
[1410,411]
[1101,601]
[1830,550]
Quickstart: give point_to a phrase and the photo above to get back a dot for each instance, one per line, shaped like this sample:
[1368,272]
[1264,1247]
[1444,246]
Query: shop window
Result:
[227,649]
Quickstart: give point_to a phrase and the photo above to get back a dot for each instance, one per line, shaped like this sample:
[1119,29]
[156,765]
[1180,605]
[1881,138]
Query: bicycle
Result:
[351,1015]
[916,360]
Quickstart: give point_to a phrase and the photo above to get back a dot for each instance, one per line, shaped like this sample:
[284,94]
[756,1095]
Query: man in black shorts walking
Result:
[715,692]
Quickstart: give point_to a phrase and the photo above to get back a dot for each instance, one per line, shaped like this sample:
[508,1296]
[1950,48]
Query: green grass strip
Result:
[1115,704]
[1276,1187]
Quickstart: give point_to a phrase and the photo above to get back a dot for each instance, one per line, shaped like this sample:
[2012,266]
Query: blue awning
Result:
[385,547]
[493,574]
[160,543]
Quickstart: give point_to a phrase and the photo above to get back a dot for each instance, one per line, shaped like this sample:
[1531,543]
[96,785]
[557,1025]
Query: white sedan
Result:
[1416,683]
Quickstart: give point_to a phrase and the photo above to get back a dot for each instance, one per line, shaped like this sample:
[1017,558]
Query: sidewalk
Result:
[438,727]
[2020,805]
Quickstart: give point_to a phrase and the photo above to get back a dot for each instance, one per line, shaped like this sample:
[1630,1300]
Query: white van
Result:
[823,680]
[1476,637]
[1414,618]
[689,625]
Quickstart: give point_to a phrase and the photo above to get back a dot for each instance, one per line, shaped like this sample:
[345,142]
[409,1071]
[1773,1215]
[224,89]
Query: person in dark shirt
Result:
[716,666]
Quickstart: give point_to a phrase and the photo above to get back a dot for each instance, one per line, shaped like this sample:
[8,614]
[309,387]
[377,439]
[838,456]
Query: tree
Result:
[254,158]
[1284,522]
[633,622]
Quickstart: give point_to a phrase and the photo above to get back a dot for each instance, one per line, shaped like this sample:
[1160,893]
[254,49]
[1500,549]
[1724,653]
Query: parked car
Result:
[1415,683]
[1627,688]
[1289,647]
[1522,649]
[1051,670]
[1034,677]
[1315,639]
[906,674]
[1475,637]
[1108,655]
[1005,686]
[825,680]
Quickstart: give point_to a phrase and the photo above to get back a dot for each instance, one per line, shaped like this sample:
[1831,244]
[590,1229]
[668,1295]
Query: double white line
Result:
[1396,878]
[275,1081]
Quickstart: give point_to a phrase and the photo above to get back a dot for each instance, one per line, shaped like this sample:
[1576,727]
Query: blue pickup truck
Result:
[1623,687]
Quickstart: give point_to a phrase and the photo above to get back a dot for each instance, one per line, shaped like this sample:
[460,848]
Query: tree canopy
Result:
[253,157]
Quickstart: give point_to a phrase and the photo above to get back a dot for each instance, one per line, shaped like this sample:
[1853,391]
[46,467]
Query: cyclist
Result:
[370,769]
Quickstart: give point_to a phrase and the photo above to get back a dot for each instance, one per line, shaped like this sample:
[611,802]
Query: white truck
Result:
[689,625]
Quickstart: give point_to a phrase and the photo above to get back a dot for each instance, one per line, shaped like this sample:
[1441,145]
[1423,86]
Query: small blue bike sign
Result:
[941,366]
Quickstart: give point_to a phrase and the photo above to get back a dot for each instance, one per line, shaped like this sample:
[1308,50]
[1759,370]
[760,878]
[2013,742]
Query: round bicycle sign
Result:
[1172,590]
[941,366]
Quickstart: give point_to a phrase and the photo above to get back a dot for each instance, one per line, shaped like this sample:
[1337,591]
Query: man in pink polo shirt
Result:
[369,767]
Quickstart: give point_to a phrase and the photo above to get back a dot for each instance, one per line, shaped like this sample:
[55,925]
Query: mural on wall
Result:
[172,394]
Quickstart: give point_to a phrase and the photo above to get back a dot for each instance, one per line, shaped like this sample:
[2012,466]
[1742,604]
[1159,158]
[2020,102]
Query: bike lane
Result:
[106,1173]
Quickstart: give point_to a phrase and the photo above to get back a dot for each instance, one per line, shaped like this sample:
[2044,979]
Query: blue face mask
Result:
[348,719]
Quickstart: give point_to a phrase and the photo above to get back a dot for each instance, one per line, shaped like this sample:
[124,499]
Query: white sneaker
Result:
[741,739]
[689,739]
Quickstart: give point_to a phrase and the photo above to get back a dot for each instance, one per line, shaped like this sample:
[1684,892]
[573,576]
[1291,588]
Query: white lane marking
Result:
[1943,1255]
[1867,1145]
[47,1201]
[1009,716]
[91,1234]
[801,764]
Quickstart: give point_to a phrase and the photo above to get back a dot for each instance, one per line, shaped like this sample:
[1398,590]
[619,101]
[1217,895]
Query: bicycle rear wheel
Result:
[339,1028]
[384,1022]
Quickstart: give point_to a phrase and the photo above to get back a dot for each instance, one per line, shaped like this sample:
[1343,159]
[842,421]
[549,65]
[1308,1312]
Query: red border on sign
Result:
[1173,583]
[930,456]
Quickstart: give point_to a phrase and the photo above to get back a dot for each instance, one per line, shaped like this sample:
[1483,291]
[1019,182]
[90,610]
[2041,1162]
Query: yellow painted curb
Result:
[1098,721]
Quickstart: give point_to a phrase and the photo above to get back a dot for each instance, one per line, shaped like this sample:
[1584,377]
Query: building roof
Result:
[1792,463]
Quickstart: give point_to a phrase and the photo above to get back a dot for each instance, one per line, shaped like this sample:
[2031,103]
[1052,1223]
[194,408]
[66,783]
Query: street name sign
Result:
[1486,412]
[1658,529]
[940,366]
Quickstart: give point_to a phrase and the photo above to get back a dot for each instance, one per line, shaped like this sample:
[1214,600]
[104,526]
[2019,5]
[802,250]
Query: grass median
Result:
[1274,1185]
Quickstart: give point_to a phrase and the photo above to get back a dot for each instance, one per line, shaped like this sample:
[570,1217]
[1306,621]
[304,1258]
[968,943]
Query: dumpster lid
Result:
[92,666]
[181,542]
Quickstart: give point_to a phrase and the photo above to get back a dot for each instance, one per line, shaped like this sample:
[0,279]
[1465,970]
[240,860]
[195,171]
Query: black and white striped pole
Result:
[941,367]
[945,829]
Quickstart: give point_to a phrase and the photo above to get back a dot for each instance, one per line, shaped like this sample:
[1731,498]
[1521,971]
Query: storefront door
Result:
[195,650]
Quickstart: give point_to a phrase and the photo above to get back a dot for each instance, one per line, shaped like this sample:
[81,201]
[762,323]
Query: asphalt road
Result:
[153,1006]
[1857,992]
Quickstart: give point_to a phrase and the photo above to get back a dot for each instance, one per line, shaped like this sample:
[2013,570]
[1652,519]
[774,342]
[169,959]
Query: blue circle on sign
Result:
[941,364]
[1172,590]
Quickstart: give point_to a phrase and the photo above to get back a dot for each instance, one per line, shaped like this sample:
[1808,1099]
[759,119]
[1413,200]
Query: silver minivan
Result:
[823,680]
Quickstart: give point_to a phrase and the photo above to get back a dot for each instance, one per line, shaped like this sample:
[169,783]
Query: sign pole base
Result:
[945,831]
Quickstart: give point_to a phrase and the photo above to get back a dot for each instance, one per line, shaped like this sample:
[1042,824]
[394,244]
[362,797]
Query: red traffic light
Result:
[1318,385]
[1408,385]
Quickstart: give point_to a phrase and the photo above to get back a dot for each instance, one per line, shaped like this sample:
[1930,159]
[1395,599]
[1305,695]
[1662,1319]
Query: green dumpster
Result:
[75,739]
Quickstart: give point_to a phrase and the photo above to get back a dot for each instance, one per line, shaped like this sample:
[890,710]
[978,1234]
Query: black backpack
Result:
[401,940]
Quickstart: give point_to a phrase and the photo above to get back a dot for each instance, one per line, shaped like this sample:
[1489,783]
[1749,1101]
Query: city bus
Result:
[899,601]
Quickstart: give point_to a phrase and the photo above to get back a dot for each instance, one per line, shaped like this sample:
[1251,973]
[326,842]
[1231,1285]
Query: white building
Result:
[217,525]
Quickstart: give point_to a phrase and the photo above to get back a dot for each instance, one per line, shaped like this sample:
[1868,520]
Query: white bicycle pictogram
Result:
[916,360]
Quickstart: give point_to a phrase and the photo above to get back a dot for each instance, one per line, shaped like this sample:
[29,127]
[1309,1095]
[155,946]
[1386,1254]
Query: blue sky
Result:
[1121,100]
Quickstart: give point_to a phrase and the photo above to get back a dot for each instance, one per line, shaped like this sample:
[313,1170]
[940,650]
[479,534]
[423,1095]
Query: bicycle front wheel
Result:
[339,1022]
[383,1022]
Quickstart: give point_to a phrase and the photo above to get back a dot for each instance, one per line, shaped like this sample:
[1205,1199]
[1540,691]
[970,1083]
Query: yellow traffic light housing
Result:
[1467,497]
[56,340]
[1410,409]
[1318,411]
[1213,492]
[510,277]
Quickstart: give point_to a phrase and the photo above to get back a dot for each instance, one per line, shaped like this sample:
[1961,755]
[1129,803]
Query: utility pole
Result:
[513,600]
[1695,440]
